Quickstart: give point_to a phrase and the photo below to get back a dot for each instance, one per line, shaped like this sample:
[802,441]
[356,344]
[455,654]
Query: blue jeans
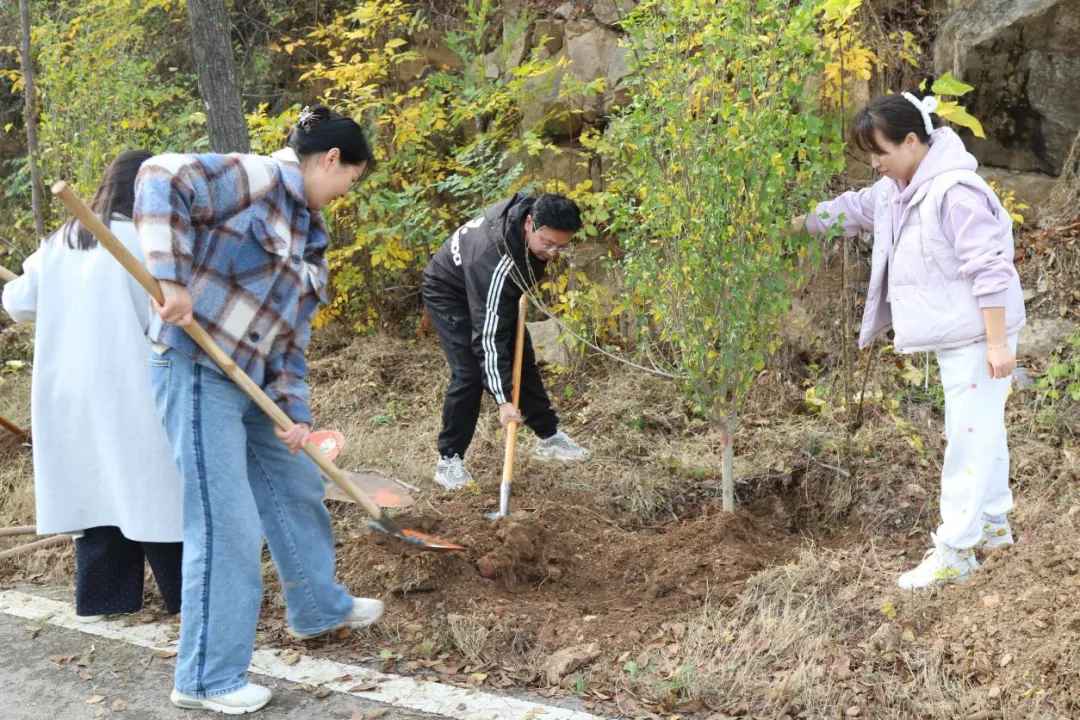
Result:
[240,483]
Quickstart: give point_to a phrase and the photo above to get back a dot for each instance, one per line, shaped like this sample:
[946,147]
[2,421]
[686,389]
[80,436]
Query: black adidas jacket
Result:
[481,273]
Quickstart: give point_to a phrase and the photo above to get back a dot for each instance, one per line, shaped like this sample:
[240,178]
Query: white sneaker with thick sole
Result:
[365,612]
[560,447]
[451,473]
[89,618]
[941,564]
[247,699]
[996,533]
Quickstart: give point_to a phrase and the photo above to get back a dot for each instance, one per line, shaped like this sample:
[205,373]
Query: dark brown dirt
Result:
[565,561]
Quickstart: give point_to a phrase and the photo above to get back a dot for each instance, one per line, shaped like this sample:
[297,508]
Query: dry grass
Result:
[828,632]
[469,635]
[1065,198]
[16,468]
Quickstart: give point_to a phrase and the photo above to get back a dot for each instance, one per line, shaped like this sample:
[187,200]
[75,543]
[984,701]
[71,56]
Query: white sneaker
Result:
[89,618]
[996,532]
[247,699]
[560,447]
[941,564]
[451,473]
[365,612]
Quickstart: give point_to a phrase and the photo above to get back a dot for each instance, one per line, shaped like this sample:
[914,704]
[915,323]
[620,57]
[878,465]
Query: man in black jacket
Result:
[471,290]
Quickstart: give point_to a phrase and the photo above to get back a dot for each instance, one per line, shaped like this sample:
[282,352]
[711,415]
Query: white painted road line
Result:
[395,690]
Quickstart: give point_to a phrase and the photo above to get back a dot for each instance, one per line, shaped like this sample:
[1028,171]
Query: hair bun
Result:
[312,116]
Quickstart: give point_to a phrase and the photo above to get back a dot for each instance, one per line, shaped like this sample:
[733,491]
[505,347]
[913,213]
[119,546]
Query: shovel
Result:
[6,275]
[381,519]
[387,492]
[511,427]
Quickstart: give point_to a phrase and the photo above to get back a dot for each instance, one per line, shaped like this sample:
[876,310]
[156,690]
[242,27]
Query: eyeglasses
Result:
[550,248]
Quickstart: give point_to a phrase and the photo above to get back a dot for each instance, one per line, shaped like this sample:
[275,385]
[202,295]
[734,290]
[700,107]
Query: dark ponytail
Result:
[894,116]
[115,196]
[319,129]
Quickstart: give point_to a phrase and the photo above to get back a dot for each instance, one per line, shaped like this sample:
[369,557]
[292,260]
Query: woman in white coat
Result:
[103,469]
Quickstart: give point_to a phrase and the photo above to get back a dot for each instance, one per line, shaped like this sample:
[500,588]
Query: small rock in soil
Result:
[1006,660]
[486,567]
[991,601]
[995,693]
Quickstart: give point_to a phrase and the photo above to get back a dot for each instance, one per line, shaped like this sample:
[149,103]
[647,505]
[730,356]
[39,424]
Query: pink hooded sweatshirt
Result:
[943,249]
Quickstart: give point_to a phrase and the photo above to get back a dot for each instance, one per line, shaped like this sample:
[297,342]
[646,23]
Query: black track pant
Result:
[461,408]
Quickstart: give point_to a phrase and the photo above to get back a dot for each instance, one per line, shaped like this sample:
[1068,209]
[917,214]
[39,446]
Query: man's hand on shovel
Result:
[508,413]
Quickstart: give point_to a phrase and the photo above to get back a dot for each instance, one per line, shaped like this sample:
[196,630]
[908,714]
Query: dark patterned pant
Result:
[110,569]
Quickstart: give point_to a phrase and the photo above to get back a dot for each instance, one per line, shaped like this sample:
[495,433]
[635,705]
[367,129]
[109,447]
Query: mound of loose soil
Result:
[593,579]
[1015,626]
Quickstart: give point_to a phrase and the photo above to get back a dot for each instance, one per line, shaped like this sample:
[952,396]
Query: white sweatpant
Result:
[975,474]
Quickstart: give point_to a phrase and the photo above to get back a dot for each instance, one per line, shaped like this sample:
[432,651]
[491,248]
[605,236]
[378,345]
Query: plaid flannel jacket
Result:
[236,230]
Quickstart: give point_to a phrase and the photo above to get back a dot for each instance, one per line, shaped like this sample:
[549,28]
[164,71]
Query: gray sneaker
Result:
[451,473]
[560,447]
[996,532]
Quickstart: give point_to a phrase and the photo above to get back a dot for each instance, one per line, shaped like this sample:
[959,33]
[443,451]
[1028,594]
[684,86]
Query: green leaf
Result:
[838,11]
[957,115]
[948,85]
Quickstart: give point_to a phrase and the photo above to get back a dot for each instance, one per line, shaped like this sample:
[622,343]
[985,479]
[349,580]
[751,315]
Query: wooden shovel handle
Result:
[37,544]
[92,223]
[511,427]
[6,275]
[14,429]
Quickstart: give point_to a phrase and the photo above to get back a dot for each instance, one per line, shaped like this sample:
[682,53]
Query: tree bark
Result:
[727,442]
[37,193]
[211,39]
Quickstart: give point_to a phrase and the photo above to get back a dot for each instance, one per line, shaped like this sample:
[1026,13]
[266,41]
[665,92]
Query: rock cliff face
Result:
[1023,57]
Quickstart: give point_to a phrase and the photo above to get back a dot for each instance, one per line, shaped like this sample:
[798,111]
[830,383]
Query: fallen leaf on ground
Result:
[87,658]
[61,659]
[33,630]
[85,675]
[363,687]
[290,657]
[165,654]
[119,705]
[369,715]
[94,699]
[321,692]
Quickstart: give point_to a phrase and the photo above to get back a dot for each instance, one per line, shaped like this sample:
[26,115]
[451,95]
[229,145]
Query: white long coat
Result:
[101,456]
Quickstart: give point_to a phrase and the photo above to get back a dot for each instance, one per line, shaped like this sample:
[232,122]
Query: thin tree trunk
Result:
[30,116]
[727,438]
[212,42]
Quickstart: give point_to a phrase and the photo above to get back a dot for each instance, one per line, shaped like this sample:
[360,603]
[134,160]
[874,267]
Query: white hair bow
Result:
[926,106]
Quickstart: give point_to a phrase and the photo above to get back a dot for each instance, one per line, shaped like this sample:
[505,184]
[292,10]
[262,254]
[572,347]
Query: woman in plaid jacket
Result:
[238,243]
